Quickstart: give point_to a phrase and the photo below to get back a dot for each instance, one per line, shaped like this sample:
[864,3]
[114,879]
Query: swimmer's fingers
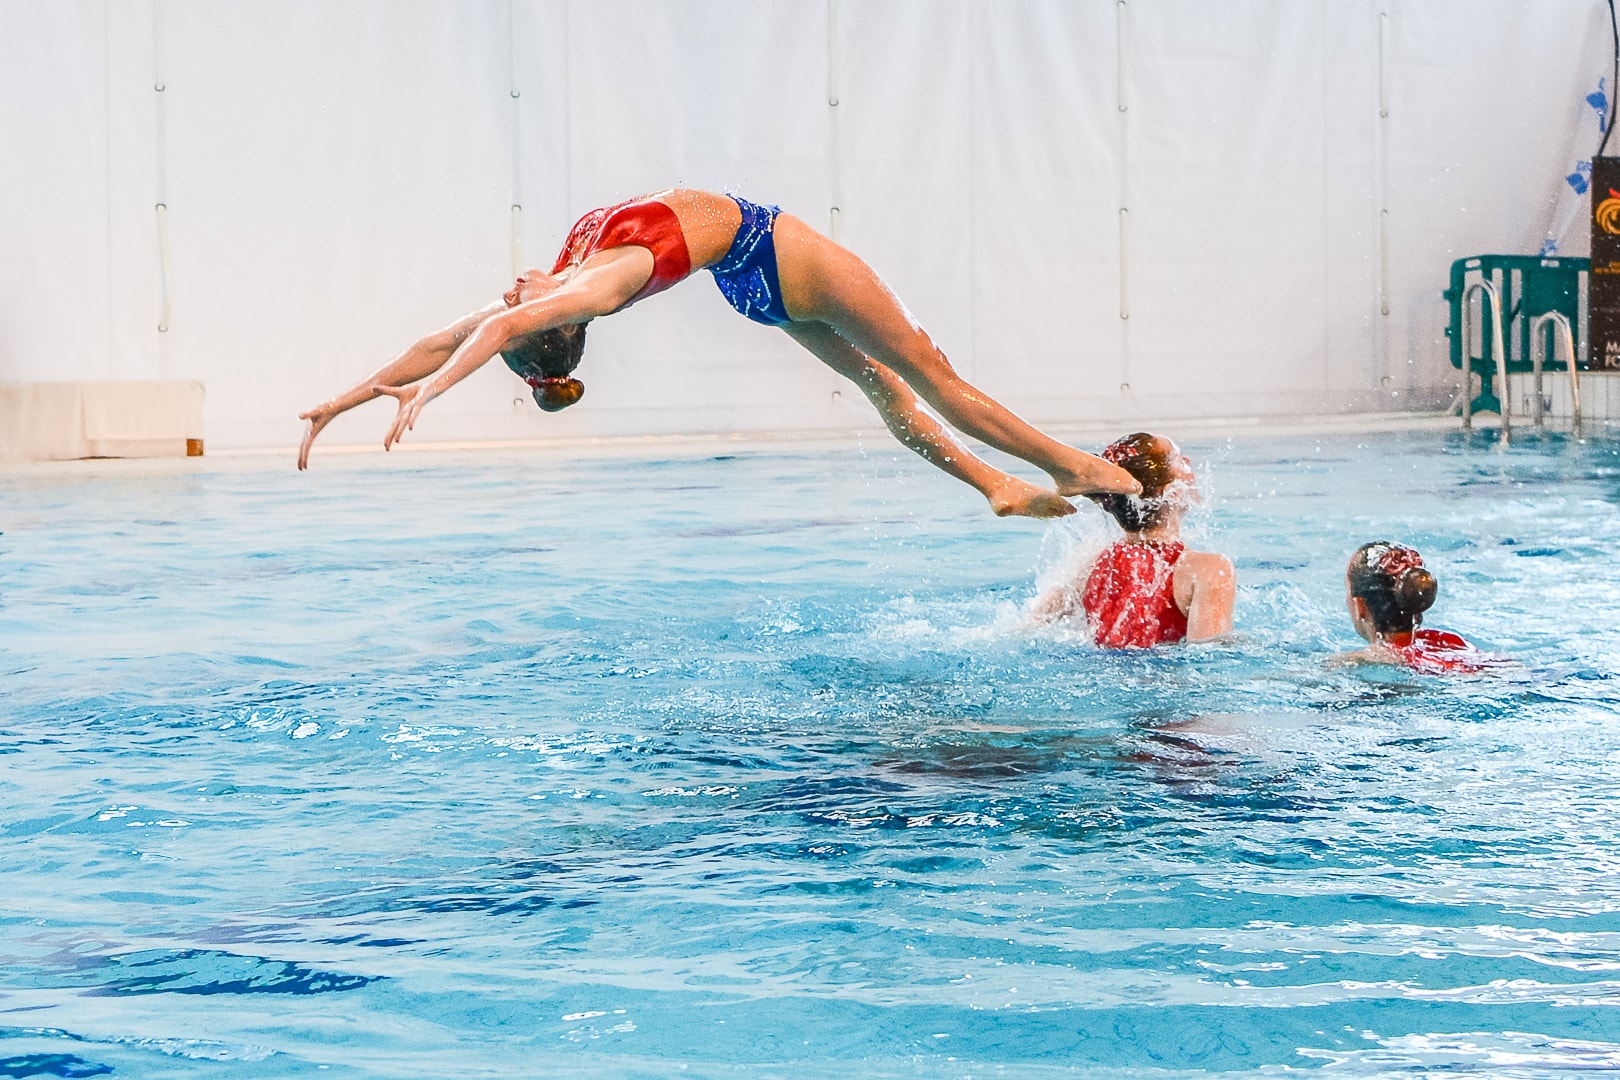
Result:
[310,431]
[411,400]
[397,428]
[317,420]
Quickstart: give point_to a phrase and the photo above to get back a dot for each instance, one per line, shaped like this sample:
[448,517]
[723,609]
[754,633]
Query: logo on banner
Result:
[1607,213]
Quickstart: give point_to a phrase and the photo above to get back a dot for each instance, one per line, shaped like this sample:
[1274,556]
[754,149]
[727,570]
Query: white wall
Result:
[339,176]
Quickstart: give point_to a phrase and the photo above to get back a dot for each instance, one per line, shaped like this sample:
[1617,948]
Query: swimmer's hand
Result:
[412,400]
[318,418]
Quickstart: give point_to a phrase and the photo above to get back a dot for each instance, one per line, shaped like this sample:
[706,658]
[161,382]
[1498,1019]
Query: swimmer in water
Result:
[1147,589]
[1387,589]
[772,268]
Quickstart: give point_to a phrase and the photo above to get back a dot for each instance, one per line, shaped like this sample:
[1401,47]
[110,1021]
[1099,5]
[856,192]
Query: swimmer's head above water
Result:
[1387,589]
[1165,474]
[1147,588]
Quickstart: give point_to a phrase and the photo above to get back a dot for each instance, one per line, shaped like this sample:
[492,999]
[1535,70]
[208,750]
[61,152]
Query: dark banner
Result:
[1603,297]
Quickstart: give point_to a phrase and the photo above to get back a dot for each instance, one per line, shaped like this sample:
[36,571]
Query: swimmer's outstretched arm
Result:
[420,359]
[600,289]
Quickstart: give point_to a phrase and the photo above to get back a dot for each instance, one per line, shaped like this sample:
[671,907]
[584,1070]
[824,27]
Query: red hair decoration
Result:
[1396,560]
[1115,453]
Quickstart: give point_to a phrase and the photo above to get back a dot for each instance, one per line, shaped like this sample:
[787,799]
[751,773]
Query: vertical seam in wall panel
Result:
[107,217]
[160,182]
[568,106]
[835,96]
[1382,352]
[1122,114]
[1322,15]
[972,193]
[514,224]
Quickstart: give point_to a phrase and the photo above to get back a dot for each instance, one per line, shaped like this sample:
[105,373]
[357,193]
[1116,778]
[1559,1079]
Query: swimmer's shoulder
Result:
[1197,570]
[1202,563]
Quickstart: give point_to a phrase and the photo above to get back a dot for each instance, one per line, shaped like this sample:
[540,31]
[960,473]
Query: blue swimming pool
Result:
[743,763]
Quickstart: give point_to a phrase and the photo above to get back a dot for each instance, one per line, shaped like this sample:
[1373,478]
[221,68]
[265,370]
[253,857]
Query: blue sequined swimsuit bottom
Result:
[747,274]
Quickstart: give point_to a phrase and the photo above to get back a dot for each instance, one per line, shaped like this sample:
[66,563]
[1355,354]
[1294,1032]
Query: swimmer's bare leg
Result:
[824,282]
[898,405]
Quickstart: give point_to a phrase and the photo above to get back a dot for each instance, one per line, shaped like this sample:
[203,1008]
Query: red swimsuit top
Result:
[645,223]
[1130,596]
[1438,652]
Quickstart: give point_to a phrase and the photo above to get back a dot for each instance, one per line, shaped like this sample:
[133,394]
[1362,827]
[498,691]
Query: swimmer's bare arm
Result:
[1061,602]
[604,286]
[1372,654]
[1205,587]
[420,359]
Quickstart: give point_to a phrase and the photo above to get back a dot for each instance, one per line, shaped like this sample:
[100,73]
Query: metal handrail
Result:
[1495,301]
[1562,331]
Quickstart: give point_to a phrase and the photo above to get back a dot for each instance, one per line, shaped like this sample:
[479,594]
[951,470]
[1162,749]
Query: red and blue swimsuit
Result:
[746,274]
[645,223]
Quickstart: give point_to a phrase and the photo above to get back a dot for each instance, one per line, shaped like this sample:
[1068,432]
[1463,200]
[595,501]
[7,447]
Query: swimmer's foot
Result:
[1015,498]
[1091,475]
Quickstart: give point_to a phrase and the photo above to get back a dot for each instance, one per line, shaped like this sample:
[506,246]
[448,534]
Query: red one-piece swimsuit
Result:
[1130,596]
[1438,652]
[644,223]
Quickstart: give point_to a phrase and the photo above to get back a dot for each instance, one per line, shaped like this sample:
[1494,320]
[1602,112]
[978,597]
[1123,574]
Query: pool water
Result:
[747,763]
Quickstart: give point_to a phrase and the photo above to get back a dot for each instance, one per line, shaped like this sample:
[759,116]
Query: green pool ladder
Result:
[1526,301]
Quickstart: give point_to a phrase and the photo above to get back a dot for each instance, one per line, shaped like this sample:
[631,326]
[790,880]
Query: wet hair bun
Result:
[1394,583]
[1415,590]
[556,393]
[1148,460]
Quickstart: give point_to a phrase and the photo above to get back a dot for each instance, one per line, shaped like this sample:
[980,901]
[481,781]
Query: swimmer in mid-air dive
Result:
[1387,589]
[775,270]
[1147,589]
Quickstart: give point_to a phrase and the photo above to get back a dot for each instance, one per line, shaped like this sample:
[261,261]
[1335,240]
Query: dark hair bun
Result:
[1415,590]
[1147,458]
[557,393]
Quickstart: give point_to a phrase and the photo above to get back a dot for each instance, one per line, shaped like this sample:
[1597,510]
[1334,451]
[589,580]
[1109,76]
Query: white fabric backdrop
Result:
[340,176]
